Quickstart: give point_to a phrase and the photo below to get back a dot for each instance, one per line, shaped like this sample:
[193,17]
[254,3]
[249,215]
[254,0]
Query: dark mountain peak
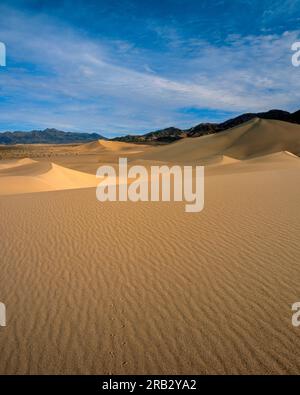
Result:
[278,115]
[201,129]
[170,129]
[296,116]
[166,135]
[52,130]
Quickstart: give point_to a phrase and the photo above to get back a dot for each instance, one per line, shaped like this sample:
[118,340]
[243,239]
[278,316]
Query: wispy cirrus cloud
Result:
[60,76]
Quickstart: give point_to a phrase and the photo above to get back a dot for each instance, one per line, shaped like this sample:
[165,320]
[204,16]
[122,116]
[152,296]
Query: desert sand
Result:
[146,288]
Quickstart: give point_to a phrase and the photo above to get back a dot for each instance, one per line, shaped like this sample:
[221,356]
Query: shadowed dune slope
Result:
[254,138]
[265,137]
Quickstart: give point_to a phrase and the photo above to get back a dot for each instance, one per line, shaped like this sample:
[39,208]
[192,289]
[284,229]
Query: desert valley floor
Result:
[146,288]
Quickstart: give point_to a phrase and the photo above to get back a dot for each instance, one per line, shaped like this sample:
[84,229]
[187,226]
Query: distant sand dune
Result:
[9,164]
[117,146]
[111,146]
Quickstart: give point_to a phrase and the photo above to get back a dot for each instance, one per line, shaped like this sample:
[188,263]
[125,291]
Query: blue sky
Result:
[132,66]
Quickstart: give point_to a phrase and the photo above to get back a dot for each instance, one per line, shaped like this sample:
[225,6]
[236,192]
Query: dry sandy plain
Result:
[129,288]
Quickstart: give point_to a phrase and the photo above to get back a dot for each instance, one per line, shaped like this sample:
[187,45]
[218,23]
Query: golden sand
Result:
[145,288]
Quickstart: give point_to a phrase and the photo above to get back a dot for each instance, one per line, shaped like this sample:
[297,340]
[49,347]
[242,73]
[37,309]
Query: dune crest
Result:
[33,176]
[9,164]
[102,146]
[252,139]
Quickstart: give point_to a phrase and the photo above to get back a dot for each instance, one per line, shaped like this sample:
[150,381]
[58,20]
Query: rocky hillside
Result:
[47,136]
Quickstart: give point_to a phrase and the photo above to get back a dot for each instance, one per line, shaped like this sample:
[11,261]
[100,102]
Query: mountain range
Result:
[47,136]
[172,134]
[162,136]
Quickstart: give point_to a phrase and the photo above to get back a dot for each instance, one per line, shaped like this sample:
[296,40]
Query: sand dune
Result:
[117,146]
[265,137]
[255,142]
[226,160]
[278,161]
[145,288]
[94,146]
[33,176]
[88,157]
[250,140]
[101,146]
[9,164]
[255,138]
